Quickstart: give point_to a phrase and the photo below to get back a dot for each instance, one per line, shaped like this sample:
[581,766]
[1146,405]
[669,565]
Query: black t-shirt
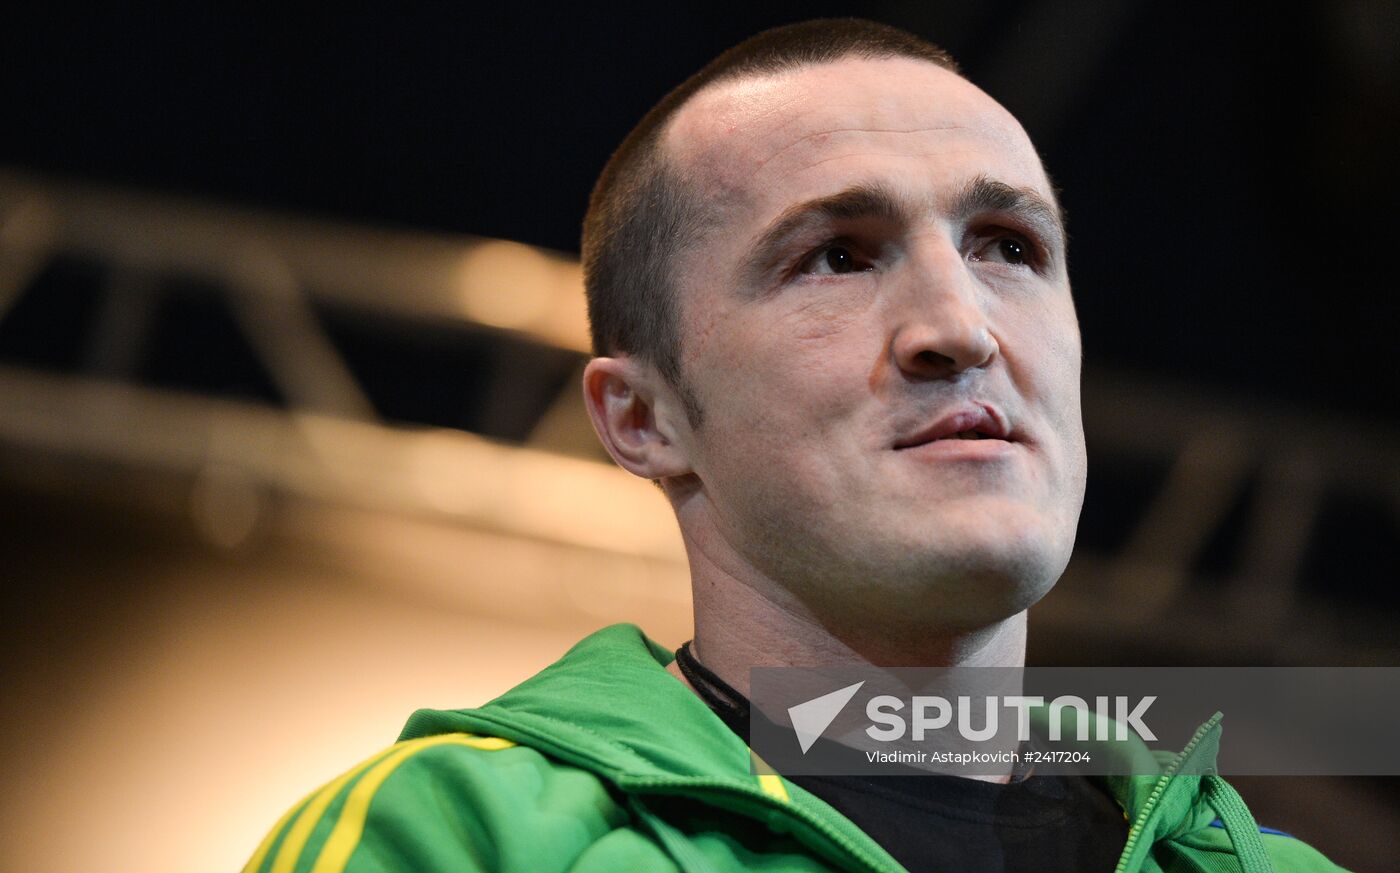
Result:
[932,822]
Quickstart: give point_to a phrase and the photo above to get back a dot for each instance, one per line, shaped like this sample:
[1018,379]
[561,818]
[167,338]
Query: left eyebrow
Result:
[984,194]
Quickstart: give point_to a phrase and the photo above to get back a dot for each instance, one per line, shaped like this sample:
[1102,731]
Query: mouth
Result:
[970,422]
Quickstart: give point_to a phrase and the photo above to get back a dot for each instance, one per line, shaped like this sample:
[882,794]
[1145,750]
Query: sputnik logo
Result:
[816,715]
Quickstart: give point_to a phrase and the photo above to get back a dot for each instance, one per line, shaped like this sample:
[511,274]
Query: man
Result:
[832,318]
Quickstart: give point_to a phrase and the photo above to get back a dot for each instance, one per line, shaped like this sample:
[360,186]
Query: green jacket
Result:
[603,762]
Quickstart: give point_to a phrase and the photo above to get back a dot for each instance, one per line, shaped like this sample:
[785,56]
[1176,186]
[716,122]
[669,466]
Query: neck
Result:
[744,620]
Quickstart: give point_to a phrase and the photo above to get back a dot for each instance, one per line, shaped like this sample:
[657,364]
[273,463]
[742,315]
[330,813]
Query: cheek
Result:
[780,394]
[1042,347]
[788,397]
[830,316]
[1065,350]
[1044,355]
[804,359]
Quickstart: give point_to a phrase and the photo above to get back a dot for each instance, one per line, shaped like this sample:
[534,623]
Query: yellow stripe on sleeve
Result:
[311,813]
[486,744]
[335,854]
[255,863]
[772,785]
[768,778]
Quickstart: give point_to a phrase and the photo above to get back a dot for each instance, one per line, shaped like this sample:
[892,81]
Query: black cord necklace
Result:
[727,703]
[733,708]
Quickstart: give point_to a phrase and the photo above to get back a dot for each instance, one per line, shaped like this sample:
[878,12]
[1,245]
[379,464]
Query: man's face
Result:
[884,271]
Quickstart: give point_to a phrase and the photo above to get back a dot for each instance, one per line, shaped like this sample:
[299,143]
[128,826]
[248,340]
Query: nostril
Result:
[930,358]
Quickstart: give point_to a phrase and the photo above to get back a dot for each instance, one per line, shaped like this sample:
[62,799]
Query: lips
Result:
[967,422]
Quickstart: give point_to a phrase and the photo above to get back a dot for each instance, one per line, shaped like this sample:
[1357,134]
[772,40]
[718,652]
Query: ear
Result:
[637,416]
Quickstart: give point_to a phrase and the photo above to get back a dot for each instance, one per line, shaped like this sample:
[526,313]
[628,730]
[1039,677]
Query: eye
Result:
[834,260]
[1011,249]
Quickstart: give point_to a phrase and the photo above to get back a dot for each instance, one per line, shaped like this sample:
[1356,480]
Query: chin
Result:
[973,570]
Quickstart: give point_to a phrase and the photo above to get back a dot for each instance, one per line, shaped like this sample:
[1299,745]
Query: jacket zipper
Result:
[1158,789]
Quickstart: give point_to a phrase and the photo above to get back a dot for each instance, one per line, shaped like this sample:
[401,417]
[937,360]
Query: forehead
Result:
[758,143]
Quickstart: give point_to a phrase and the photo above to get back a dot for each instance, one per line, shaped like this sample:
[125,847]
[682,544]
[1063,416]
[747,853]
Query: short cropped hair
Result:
[642,214]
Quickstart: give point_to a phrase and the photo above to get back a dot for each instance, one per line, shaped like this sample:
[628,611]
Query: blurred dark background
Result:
[1229,175]
[1230,179]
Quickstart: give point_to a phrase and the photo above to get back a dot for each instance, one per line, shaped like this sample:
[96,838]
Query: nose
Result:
[941,329]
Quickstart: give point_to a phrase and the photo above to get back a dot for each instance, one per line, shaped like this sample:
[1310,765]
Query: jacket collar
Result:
[610,706]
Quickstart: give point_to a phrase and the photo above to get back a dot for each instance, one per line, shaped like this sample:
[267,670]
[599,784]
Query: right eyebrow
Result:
[856,202]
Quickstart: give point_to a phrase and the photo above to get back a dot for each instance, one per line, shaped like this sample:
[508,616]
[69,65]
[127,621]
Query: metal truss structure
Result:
[1223,509]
